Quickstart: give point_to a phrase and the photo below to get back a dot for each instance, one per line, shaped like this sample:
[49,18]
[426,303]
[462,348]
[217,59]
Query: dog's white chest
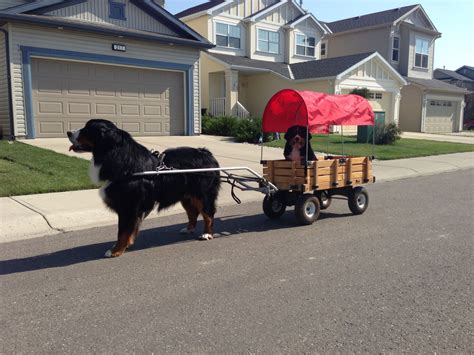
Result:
[295,155]
[94,171]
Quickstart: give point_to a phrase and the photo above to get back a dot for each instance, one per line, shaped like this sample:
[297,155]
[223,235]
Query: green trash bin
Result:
[365,133]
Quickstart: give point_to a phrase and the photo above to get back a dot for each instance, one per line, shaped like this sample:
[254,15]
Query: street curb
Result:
[43,225]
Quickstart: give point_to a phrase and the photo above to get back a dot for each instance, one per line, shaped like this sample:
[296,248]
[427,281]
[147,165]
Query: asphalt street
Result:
[395,279]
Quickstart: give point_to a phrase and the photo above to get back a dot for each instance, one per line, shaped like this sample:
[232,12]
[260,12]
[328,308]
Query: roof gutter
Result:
[10,96]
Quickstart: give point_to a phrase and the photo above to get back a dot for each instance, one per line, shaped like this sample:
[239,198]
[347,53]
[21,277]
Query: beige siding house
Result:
[128,61]
[263,46]
[405,37]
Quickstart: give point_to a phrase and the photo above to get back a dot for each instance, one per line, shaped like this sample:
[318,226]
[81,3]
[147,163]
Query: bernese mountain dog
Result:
[295,147]
[116,156]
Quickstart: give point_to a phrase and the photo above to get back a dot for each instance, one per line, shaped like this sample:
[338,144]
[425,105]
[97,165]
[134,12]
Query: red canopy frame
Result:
[315,110]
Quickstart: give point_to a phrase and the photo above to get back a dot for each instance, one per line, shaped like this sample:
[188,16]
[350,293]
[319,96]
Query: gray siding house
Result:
[405,37]
[129,61]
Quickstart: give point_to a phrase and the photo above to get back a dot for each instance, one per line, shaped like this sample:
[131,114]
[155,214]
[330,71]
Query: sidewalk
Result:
[463,137]
[25,217]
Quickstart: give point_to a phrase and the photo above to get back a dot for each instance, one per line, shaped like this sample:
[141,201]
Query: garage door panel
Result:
[141,101]
[46,107]
[47,85]
[50,127]
[105,109]
[440,118]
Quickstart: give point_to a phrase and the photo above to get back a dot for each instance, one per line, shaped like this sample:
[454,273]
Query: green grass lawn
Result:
[404,148]
[28,170]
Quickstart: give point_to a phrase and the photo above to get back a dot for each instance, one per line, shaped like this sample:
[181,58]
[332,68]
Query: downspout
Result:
[10,94]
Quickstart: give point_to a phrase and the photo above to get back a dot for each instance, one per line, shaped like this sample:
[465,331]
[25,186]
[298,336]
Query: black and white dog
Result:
[295,147]
[116,156]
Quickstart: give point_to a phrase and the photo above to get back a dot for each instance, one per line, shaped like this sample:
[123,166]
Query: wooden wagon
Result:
[309,185]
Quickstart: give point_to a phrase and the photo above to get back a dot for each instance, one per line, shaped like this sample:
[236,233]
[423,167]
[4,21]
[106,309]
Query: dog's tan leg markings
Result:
[193,214]
[208,220]
[126,237]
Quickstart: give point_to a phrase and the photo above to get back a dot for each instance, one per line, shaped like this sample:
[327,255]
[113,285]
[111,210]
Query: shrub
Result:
[243,129]
[250,130]
[219,126]
[387,134]
[364,92]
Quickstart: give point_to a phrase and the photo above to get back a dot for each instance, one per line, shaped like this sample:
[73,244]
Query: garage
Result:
[440,116]
[67,94]
[130,62]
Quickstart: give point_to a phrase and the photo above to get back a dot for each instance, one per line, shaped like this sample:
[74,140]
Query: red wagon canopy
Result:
[315,110]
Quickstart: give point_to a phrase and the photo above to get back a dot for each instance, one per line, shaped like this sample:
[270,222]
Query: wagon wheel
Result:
[307,209]
[358,200]
[274,206]
[324,200]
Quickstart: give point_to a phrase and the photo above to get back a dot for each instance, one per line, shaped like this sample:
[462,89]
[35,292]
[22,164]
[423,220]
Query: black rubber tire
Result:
[324,200]
[274,206]
[307,209]
[358,200]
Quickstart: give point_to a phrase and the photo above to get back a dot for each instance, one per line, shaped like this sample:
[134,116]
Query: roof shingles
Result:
[313,69]
[374,19]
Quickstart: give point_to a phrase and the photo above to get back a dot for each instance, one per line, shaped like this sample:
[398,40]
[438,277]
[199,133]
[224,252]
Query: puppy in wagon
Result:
[297,144]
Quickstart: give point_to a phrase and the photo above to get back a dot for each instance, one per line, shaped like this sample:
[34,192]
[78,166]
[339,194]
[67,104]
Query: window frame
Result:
[306,45]
[268,41]
[117,10]
[228,36]
[325,49]
[396,49]
[422,54]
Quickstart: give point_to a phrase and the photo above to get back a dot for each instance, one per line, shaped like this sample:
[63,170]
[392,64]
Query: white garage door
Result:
[440,116]
[140,101]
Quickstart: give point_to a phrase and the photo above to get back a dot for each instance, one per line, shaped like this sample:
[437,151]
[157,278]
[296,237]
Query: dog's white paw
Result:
[185,230]
[206,236]
[108,254]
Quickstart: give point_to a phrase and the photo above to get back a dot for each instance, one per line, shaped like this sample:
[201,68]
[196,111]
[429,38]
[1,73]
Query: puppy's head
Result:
[94,134]
[296,136]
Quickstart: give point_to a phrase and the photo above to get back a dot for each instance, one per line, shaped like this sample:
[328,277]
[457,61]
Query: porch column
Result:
[396,97]
[461,104]
[231,91]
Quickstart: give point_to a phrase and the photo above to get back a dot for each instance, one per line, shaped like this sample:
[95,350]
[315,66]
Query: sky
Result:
[453,18]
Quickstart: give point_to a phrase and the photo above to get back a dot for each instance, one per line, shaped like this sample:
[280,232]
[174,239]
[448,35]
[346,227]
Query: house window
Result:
[117,10]
[421,53]
[305,45]
[268,41]
[376,96]
[441,103]
[323,49]
[227,35]
[395,49]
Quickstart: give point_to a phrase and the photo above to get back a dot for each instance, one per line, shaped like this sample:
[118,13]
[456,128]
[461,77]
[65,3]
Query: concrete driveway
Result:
[227,152]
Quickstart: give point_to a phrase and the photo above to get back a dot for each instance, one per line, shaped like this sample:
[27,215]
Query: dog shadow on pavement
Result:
[225,227]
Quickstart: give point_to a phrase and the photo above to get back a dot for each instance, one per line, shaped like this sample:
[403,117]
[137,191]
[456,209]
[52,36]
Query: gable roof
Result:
[314,69]
[440,74]
[308,15]
[437,85]
[199,8]
[253,64]
[466,70]
[324,68]
[369,20]
[28,11]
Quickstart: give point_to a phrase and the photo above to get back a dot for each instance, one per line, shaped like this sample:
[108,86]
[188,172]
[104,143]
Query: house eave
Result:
[27,19]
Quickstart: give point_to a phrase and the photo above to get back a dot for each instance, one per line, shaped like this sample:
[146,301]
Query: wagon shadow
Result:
[149,238]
